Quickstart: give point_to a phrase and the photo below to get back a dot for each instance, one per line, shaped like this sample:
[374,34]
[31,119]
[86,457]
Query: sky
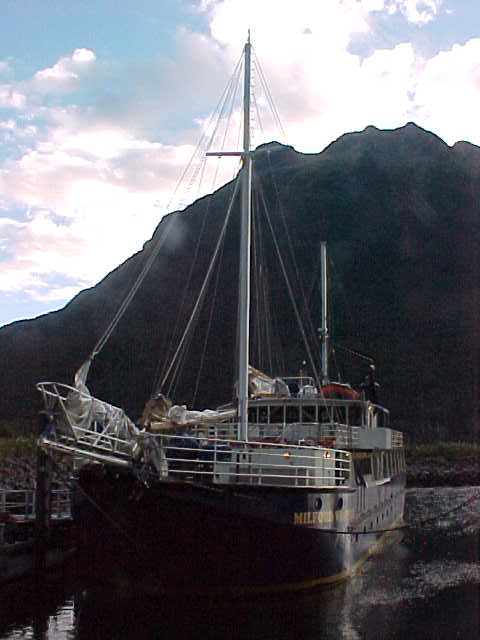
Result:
[102,104]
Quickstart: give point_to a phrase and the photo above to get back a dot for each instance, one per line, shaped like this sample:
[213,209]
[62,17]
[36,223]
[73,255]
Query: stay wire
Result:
[185,290]
[213,118]
[204,286]
[209,326]
[228,98]
[162,237]
[296,269]
[268,94]
[289,287]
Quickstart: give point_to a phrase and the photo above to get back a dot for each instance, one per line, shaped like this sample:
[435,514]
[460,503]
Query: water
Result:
[426,585]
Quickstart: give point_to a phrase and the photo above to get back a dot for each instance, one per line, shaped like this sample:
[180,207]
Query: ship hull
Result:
[189,538]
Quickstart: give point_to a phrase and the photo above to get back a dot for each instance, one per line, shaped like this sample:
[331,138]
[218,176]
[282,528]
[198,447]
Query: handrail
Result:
[21,503]
[220,461]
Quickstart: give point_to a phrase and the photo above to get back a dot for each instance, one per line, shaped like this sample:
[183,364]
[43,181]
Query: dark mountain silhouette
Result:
[400,212]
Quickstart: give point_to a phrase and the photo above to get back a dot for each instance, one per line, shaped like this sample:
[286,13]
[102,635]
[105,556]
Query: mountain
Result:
[399,212]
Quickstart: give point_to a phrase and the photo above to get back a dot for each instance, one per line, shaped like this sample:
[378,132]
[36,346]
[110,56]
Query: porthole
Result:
[339,504]
[318,504]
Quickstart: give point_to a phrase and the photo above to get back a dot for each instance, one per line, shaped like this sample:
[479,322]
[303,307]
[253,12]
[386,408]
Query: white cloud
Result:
[5,67]
[62,73]
[83,55]
[96,179]
[11,98]
[418,11]
[448,92]
[93,199]
[9,124]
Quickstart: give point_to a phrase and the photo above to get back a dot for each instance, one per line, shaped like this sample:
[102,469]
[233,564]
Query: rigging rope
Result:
[163,234]
[209,326]
[204,285]
[268,94]
[290,290]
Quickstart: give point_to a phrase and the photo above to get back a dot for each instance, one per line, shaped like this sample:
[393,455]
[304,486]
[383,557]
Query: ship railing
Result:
[21,503]
[84,422]
[185,458]
[334,434]
[397,439]
[342,435]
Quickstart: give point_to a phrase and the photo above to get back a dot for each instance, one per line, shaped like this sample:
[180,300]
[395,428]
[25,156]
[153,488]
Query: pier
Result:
[24,546]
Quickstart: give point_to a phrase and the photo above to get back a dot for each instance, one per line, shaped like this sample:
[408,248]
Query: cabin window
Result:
[308,414]
[354,416]
[323,415]
[364,465]
[263,415]
[292,414]
[252,415]
[276,415]
[339,415]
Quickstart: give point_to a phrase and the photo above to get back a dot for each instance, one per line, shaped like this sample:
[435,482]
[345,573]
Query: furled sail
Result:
[160,415]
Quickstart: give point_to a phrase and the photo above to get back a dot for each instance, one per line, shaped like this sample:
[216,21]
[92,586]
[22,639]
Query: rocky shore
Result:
[20,473]
[438,472]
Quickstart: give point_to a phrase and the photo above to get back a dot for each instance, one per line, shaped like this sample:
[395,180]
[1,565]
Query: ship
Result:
[291,485]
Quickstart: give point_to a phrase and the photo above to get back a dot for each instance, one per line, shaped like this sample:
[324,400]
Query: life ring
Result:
[340,391]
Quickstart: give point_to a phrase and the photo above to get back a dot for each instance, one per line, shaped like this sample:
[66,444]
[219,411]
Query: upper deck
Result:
[347,421]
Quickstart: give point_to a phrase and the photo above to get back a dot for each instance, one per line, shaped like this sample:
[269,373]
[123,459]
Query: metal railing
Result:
[85,421]
[188,458]
[21,503]
[397,439]
[334,434]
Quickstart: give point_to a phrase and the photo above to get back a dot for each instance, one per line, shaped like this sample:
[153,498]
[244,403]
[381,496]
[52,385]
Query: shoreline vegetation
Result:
[443,464]
[428,464]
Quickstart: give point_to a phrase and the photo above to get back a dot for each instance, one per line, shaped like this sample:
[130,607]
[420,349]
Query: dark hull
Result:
[191,538]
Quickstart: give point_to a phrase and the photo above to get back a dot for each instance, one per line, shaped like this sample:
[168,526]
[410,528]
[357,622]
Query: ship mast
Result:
[324,327]
[245,241]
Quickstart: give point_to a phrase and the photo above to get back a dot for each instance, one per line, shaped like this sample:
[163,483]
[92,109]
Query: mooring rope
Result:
[136,548]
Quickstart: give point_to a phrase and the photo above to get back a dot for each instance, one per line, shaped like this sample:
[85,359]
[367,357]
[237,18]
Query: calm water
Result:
[424,586]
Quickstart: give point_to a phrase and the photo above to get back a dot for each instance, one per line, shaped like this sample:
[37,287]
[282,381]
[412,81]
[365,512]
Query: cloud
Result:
[450,84]
[5,67]
[10,97]
[93,147]
[90,198]
[417,11]
[63,73]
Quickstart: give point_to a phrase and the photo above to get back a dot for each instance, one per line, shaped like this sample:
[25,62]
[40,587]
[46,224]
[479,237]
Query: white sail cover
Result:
[84,411]
[160,415]
[262,386]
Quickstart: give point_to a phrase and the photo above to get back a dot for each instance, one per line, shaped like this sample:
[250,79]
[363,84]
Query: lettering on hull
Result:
[303,518]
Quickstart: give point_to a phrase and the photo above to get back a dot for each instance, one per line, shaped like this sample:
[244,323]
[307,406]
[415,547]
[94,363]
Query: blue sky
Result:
[102,103]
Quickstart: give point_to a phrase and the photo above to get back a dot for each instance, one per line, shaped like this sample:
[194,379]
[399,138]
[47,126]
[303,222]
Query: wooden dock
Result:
[19,532]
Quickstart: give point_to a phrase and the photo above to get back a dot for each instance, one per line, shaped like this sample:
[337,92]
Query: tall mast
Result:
[245,235]
[324,327]
[245,241]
